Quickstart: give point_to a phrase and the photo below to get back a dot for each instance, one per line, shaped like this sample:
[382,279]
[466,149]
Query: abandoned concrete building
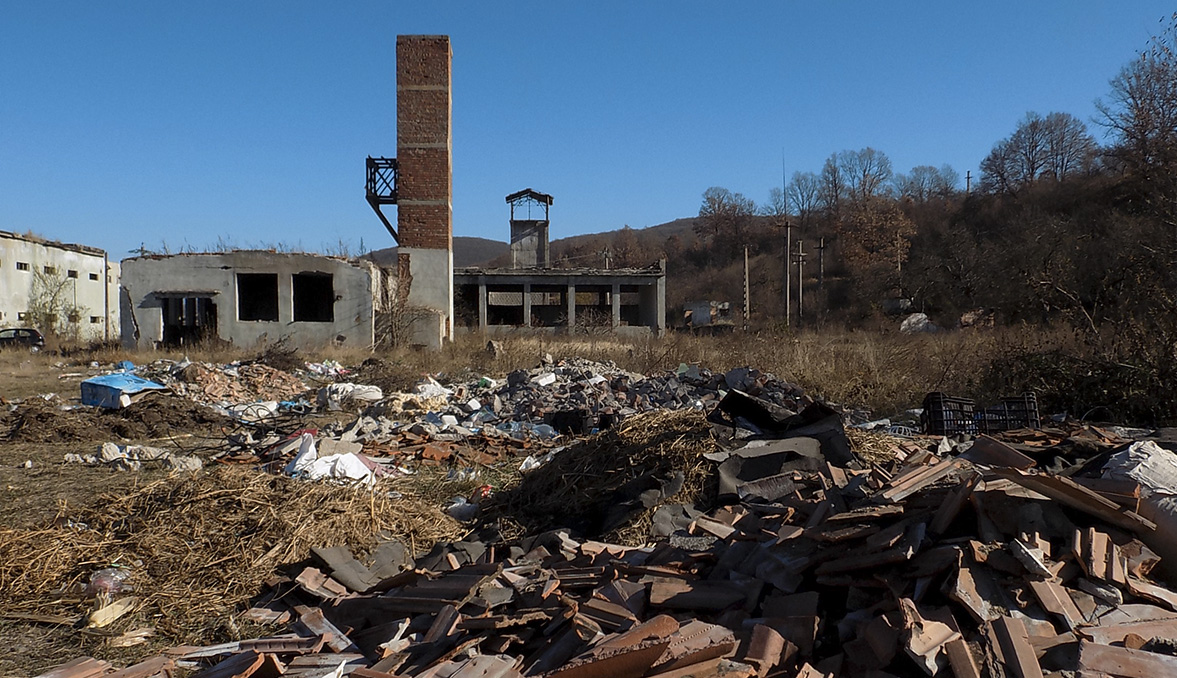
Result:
[70,290]
[245,297]
[533,296]
[249,296]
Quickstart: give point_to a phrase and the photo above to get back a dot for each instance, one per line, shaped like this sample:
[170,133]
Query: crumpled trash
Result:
[309,465]
[109,581]
[431,389]
[333,395]
[461,510]
[327,368]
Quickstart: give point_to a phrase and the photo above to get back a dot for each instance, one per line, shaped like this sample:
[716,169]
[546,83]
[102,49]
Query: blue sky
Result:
[248,122]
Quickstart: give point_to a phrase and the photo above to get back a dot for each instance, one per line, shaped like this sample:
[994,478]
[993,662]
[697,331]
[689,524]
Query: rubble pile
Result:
[712,525]
[225,385]
[963,566]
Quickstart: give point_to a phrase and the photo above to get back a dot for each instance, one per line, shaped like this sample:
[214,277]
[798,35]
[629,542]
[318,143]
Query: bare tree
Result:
[777,206]
[1141,115]
[1070,149]
[723,221]
[1055,147]
[832,189]
[51,308]
[925,183]
[866,172]
[803,196]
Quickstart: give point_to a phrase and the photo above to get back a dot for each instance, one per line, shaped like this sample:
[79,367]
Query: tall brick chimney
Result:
[424,151]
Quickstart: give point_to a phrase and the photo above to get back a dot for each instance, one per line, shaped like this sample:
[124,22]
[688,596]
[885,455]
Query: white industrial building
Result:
[64,289]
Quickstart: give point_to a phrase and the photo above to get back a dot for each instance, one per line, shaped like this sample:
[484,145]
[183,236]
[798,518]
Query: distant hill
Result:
[660,232]
[468,251]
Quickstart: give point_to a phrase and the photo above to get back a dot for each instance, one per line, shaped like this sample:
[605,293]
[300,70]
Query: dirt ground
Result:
[38,487]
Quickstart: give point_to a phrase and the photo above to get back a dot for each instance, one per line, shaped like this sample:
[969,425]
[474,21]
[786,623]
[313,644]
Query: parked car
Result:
[22,337]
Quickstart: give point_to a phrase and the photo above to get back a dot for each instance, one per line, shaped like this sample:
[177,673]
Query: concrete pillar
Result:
[652,306]
[527,304]
[616,298]
[482,304]
[571,307]
[424,144]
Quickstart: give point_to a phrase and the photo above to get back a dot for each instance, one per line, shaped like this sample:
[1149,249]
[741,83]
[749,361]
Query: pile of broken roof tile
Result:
[980,564]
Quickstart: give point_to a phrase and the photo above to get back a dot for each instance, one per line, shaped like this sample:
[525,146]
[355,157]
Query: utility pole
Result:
[821,263]
[968,181]
[747,292]
[800,281]
[788,226]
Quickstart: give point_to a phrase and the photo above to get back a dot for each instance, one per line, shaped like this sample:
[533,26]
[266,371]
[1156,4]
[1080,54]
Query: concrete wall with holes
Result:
[249,311]
[75,285]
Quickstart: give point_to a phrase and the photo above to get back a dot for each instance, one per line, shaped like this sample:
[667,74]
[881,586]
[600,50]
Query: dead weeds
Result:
[200,547]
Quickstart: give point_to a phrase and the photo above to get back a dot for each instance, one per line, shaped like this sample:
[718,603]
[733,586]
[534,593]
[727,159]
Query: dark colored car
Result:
[21,337]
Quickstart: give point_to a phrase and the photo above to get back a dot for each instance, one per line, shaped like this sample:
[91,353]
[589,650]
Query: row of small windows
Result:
[51,270]
[22,316]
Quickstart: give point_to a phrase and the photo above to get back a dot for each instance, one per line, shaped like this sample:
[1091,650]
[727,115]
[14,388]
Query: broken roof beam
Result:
[1070,493]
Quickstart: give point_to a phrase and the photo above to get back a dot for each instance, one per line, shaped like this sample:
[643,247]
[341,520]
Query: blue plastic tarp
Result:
[116,390]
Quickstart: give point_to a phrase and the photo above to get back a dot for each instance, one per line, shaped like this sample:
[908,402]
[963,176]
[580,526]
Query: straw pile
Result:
[581,482]
[872,447]
[199,547]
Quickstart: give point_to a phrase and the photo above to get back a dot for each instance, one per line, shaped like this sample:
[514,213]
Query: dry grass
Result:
[200,547]
[886,372]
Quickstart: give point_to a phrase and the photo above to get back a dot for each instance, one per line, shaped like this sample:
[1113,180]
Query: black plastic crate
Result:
[1011,413]
[948,416]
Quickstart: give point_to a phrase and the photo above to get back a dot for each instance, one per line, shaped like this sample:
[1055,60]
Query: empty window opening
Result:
[504,306]
[71,273]
[95,319]
[93,276]
[314,298]
[188,320]
[22,265]
[51,270]
[257,296]
[22,316]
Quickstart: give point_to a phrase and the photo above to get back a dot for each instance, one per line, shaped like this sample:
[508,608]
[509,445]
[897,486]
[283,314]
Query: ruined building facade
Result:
[249,297]
[70,290]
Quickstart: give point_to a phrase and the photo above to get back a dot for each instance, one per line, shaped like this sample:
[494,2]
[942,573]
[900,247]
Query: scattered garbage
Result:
[133,457]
